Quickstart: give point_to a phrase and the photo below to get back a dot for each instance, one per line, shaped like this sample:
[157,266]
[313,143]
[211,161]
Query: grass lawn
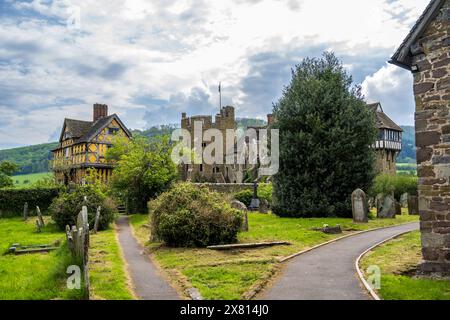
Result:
[107,268]
[397,260]
[33,276]
[19,181]
[232,274]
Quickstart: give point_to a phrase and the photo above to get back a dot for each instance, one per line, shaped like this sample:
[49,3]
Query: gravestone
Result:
[388,208]
[241,207]
[235,204]
[371,203]
[97,219]
[413,205]
[359,206]
[264,206]
[379,201]
[255,203]
[39,214]
[404,200]
[25,211]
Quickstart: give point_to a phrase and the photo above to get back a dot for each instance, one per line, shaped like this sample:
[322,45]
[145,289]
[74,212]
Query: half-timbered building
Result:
[83,146]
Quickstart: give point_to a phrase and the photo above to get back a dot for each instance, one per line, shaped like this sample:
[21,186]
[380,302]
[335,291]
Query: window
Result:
[201,168]
[66,152]
[113,130]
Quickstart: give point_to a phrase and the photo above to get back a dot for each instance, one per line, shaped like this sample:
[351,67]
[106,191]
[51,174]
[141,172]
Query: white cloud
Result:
[392,86]
[127,50]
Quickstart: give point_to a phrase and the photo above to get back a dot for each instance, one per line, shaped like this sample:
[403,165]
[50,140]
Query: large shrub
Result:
[12,200]
[326,134]
[65,208]
[264,192]
[398,185]
[192,216]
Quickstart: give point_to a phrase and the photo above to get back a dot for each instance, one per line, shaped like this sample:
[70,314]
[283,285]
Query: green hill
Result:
[408,154]
[31,159]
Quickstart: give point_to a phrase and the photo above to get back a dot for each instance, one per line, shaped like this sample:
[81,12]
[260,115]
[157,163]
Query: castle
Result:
[83,145]
[387,146]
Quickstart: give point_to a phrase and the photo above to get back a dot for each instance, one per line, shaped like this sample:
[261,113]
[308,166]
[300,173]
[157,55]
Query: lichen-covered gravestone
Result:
[413,205]
[241,207]
[264,206]
[404,200]
[388,208]
[359,206]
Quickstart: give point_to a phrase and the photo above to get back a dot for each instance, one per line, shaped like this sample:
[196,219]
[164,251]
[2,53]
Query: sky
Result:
[152,60]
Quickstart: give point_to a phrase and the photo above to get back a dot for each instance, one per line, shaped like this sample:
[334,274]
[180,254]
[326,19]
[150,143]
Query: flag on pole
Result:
[220,87]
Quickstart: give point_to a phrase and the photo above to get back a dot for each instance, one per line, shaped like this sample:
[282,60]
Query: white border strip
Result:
[360,273]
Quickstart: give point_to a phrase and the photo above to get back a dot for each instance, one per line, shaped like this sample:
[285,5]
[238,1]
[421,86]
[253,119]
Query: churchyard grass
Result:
[107,268]
[233,274]
[33,276]
[398,260]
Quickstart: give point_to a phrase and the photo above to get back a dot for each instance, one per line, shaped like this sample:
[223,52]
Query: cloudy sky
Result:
[151,60]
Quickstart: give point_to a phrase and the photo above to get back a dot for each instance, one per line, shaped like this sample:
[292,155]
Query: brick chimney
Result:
[100,111]
[269,119]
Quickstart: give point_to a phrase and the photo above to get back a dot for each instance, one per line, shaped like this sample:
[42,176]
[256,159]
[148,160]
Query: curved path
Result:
[328,272]
[148,284]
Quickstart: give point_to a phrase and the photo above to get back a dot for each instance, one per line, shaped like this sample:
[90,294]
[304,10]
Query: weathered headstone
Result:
[238,205]
[25,211]
[388,208]
[38,227]
[264,206]
[370,203]
[413,205]
[255,203]
[359,206]
[404,200]
[241,207]
[97,219]
[379,201]
[39,214]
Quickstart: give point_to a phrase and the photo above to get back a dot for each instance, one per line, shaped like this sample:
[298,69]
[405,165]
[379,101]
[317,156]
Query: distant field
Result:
[406,168]
[19,181]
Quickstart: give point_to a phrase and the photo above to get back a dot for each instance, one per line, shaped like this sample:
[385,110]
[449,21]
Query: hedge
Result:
[13,200]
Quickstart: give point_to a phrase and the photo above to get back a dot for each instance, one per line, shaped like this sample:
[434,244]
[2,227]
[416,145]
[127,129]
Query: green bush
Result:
[244,196]
[398,185]
[192,216]
[264,192]
[66,207]
[12,200]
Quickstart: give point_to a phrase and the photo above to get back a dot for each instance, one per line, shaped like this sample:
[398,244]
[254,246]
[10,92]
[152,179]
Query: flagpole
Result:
[220,96]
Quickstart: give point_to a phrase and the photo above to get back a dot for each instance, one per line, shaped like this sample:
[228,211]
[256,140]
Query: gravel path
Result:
[148,284]
[328,272]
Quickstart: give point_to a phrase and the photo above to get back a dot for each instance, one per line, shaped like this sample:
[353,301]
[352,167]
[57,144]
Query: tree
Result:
[326,134]
[144,170]
[6,170]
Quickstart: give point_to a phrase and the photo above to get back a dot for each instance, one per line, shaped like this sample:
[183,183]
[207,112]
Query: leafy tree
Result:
[326,133]
[144,170]
[6,170]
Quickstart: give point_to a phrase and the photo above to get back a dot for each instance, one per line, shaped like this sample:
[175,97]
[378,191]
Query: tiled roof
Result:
[383,121]
[83,131]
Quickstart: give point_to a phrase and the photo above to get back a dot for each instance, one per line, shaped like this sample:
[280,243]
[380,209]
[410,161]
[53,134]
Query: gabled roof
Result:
[84,131]
[383,121]
[77,128]
[403,56]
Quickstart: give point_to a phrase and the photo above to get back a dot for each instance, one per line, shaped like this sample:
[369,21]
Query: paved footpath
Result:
[148,284]
[328,272]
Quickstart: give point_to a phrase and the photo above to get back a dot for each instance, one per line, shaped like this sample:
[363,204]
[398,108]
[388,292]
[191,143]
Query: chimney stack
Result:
[100,111]
[269,119]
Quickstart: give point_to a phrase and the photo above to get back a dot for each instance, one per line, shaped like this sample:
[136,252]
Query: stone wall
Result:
[386,162]
[432,95]
[227,187]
